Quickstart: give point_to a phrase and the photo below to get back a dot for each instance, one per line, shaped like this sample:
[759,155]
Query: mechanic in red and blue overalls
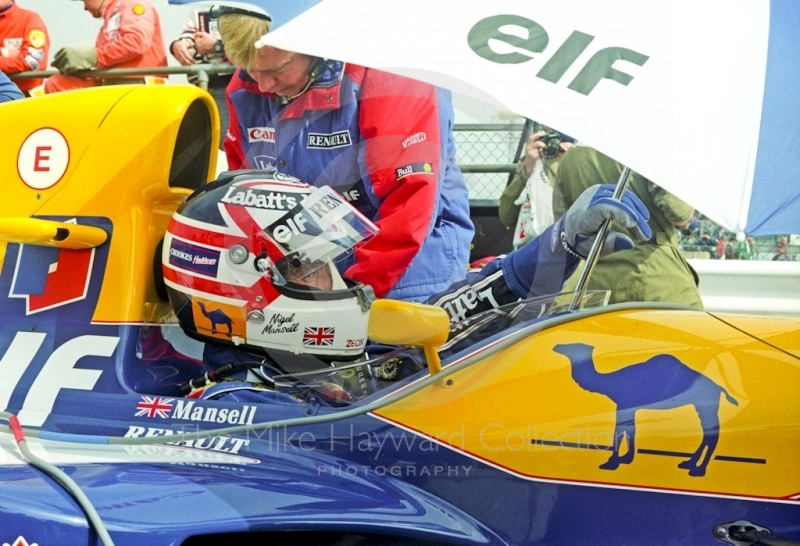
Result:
[382,141]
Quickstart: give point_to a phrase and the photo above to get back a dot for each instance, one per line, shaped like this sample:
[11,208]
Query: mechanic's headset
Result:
[216,11]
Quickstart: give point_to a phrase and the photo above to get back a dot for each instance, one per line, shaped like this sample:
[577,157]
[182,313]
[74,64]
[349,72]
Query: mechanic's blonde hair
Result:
[239,34]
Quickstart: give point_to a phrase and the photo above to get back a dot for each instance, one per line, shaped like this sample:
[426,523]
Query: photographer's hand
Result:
[564,147]
[532,148]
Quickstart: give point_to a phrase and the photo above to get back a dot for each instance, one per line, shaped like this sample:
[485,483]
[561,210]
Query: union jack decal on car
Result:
[154,406]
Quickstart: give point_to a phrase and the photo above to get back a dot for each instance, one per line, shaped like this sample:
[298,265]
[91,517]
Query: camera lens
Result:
[553,148]
[552,142]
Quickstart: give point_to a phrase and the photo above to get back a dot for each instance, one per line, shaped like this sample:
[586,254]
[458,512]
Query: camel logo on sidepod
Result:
[662,382]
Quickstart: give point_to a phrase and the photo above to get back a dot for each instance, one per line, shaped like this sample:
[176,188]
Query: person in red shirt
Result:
[24,43]
[130,37]
[721,243]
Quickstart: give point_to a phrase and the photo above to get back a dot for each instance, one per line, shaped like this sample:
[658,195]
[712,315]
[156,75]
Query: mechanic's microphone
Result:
[283,100]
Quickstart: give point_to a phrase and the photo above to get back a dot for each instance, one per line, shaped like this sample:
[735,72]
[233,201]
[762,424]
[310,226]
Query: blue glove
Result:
[580,224]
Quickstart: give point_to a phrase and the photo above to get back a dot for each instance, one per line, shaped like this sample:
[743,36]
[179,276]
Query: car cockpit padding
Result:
[190,159]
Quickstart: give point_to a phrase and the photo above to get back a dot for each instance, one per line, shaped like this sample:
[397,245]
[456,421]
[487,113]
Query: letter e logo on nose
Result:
[43,158]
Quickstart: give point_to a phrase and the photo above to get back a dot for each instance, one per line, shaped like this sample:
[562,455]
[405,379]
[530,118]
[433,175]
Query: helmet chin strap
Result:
[283,100]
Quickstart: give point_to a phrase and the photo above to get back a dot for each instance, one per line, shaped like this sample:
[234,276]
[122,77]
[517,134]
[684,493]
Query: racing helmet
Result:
[249,259]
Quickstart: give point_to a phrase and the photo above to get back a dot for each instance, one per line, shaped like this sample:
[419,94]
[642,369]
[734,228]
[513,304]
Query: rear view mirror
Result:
[413,324]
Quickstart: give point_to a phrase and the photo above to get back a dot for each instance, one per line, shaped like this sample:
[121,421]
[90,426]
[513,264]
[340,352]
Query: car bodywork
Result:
[624,424]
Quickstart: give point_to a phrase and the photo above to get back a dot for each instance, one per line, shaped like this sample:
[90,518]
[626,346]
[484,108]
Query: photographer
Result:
[525,204]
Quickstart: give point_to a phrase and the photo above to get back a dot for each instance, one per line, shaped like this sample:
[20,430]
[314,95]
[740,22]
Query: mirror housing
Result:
[413,324]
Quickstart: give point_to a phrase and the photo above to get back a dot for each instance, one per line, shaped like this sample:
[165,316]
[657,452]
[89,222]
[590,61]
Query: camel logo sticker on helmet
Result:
[660,383]
[218,319]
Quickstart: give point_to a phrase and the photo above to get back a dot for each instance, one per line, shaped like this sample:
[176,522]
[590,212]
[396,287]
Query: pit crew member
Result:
[24,43]
[129,37]
[382,141]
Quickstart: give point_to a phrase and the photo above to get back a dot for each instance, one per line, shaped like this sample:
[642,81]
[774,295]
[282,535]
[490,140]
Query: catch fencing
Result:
[488,155]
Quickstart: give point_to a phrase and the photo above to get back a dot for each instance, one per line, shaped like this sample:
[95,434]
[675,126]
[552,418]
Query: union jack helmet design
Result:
[248,260]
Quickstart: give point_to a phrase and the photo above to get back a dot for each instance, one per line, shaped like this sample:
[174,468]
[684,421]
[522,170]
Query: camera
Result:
[552,142]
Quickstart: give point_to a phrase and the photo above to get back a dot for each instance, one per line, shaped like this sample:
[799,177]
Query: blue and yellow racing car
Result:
[602,424]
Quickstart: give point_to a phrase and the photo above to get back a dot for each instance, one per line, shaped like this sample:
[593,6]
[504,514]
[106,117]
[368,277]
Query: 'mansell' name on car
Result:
[190,411]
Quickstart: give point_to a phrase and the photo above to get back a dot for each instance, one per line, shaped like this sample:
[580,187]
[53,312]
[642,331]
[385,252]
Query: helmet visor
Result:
[322,228]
